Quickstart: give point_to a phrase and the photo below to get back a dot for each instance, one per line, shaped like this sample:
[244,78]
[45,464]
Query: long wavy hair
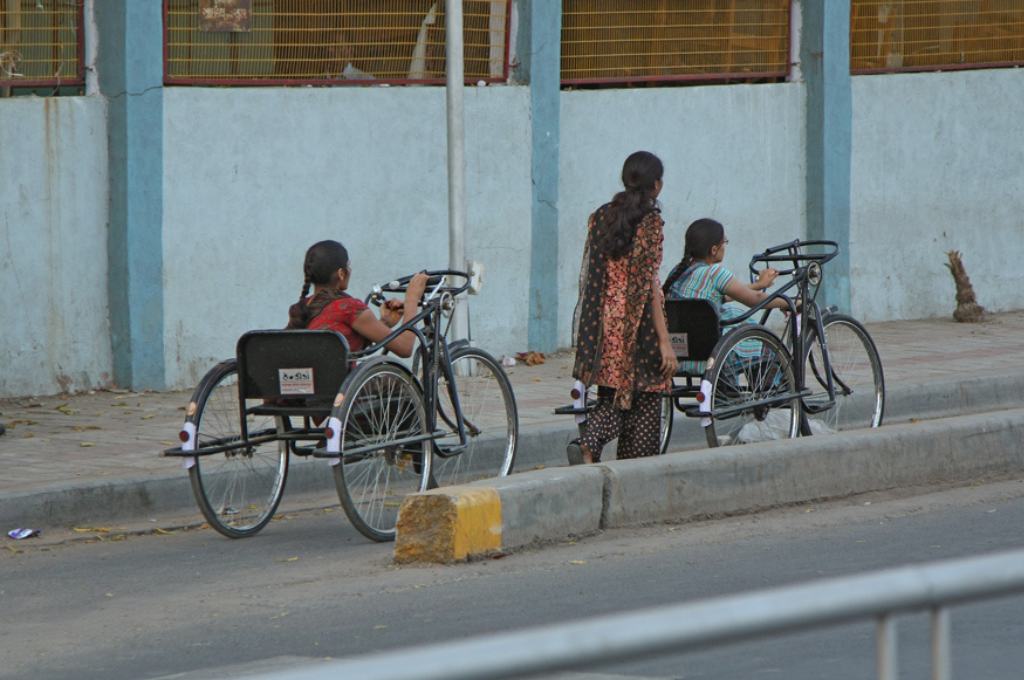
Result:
[640,175]
[323,260]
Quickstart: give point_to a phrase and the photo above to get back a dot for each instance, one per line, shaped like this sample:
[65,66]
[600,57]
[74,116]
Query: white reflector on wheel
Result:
[334,442]
[580,389]
[704,405]
[189,429]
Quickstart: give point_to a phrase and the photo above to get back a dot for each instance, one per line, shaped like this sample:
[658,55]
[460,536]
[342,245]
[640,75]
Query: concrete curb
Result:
[138,497]
[454,523]
[553,505]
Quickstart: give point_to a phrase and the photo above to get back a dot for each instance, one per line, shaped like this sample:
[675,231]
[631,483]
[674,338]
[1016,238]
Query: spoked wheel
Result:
[754,394]
[490,420]
[667,412]
[856,375]
[382,409]
[237,490]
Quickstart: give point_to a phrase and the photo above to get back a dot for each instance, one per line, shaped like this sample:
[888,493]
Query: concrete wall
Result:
[938,164]
[734,153]
[253,177]
[53,245]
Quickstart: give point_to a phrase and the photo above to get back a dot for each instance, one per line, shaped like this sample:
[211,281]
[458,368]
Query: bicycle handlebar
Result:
[795,252]
[435,280]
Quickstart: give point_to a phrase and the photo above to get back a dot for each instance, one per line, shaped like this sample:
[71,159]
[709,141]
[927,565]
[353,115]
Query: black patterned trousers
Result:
[637,429]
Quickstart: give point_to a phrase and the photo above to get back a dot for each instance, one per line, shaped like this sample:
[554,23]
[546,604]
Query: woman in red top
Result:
[328,270]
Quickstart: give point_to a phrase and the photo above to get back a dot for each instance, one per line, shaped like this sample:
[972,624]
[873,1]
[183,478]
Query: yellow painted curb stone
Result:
[448,525]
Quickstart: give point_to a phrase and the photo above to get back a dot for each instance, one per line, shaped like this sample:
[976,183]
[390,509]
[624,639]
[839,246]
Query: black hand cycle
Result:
[747,383]
[385,431]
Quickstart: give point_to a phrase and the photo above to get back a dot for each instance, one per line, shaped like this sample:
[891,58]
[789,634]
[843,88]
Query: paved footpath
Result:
[110,436]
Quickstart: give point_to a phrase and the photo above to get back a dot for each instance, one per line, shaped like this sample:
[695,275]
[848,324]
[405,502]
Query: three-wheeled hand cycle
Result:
[746,382]
[387,429]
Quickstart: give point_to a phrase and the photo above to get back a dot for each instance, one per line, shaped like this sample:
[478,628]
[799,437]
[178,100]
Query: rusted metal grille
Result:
[332,42]
[922,35]
[623,41]
[40,43]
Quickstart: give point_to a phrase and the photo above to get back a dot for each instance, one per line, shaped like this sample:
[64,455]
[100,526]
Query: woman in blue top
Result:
[701,276]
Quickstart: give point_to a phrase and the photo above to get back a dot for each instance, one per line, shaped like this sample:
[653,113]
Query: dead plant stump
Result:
[967,308]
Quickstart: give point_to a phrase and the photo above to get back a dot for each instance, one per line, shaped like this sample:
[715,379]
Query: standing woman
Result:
[622,343]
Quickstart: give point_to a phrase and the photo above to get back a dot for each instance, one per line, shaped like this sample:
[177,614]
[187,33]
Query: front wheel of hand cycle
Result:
[753,394]
[490,420]
[384,452]
[856,375]
[237,490]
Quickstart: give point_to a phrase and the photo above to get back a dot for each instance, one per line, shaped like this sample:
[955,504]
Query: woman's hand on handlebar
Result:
[765,279]
[391,312]
[414,290]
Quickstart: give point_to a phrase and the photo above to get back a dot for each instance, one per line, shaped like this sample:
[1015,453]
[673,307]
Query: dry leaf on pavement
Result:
[531,358]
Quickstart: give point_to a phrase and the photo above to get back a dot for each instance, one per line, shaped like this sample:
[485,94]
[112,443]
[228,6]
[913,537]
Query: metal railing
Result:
[630,41]
[921,35]
[40,43]
[330,42]
[690,627]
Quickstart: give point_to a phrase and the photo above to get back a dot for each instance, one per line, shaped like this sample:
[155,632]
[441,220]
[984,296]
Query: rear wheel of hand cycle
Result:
[490,419]
[856,374]
[237,490]
[667,413]
[382,406]
[753,389]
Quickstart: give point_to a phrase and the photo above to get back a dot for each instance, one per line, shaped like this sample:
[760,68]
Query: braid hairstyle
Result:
[323,260]
[640,174]
[701,237]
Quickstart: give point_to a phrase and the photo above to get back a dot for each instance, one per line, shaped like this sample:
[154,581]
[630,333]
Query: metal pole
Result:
[886,640]
[942,667]
[455,84]
[91,37]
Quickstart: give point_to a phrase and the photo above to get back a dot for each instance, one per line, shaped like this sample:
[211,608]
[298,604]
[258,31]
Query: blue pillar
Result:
[825,62]
[542,33]
[130,65]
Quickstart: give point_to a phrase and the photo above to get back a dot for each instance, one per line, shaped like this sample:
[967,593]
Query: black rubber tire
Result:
[361,409]
[216,417]
[667,415]
[726,386]
[815,379]
[500,460]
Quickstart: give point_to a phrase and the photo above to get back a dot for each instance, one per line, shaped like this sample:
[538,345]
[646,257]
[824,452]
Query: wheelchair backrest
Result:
[693,328]
[292,363]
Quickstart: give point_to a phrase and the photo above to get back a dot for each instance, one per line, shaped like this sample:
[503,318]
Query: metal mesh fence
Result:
[915,35]
[40,43]
[622,41]
[331,42]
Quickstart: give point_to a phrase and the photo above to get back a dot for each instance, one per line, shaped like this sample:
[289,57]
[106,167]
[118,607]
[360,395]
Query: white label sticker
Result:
[295,380]
[680,344]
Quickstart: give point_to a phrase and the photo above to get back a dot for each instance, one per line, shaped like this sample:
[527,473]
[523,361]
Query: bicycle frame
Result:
[797,331]
[435,361]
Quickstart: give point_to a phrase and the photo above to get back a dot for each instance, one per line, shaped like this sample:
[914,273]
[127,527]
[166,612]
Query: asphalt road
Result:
[309,587]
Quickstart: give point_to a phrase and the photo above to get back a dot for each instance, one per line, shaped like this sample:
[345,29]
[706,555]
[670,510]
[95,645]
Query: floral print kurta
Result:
[616,340]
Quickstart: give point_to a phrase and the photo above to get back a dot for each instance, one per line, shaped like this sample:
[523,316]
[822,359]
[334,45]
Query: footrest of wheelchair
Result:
[571,410]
